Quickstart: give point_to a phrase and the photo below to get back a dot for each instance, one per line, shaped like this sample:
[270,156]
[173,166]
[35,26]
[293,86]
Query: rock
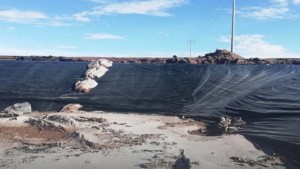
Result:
[86,85]
[146,165]
[95,72]
[155,143]
[171,61]
[218,128]
[175,58]
[195,162]
[93,65]
[221,57]
[157,162]
[17,109]
[184,60]
[92,119]
[145,60]
[196,132]
[44,124]
[237,122]
[192,61]
[101,62]
[232,130]
[105,62]
[182,162]
[223,124]
[71,108]
[63,120]
[264,161]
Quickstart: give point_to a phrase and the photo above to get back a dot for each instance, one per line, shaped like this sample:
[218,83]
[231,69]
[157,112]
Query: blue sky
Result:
[148,28]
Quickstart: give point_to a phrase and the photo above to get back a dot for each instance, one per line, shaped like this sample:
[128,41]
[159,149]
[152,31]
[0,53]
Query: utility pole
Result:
[233,26]
[191,42]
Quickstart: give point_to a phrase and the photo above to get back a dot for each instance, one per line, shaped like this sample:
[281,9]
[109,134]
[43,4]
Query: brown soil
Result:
[30,132]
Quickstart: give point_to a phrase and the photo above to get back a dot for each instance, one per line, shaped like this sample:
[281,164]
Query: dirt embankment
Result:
[217,57]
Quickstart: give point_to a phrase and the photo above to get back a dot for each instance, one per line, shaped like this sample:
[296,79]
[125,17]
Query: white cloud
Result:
[65,47]
[163,33]
[145,7]
[20,16]
[36,18]
[99,1]
[251,46]
[58,21]
[225,39]
[54,23]
[296,2]
[102,36]
[81,17]
[277,9]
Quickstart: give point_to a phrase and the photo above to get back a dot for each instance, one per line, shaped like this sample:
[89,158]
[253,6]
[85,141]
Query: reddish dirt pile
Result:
[30,132]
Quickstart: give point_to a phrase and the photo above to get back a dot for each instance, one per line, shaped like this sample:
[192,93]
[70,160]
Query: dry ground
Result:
[113,140]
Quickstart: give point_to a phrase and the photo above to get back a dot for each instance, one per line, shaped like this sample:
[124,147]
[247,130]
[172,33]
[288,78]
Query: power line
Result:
[191,42]
[209,19]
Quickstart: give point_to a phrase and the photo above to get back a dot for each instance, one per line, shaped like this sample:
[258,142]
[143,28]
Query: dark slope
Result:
[267,97]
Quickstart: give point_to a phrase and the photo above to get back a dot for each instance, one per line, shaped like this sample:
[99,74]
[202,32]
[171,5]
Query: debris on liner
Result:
[225,125]
[95,70]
